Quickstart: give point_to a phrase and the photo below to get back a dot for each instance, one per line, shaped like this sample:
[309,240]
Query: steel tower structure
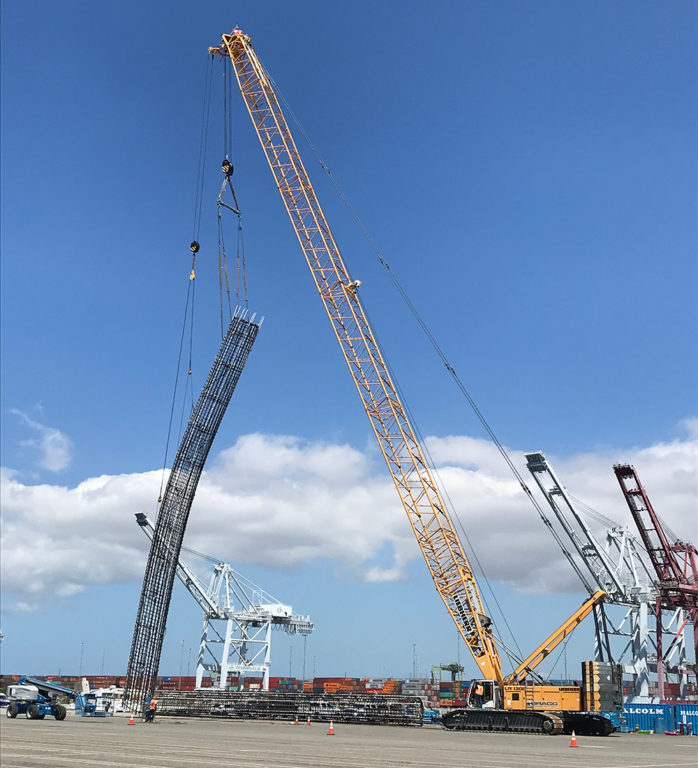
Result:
[156,592]
[618,568]
[675,565]
[620,565]
[248,614]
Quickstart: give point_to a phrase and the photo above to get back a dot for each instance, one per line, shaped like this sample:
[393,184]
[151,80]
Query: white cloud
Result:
[55,448]
[23,607]
[690,427]
[281,502]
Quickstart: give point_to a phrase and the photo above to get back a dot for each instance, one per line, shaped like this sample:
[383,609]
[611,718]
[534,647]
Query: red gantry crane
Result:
[676,564]
[512,704]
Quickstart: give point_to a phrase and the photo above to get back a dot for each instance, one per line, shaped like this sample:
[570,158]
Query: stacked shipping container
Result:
[453,694]
[336,684]
[426,689]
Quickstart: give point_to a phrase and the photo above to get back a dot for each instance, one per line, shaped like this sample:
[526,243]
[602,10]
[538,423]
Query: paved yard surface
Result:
[195,743]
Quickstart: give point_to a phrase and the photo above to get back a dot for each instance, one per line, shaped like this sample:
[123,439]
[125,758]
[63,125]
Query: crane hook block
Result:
[194,247]
[227,168]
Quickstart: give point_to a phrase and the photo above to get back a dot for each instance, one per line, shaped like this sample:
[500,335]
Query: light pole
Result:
[305,642]
[82,648]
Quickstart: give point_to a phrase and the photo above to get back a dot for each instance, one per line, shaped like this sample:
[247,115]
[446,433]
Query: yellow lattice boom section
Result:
[412,476]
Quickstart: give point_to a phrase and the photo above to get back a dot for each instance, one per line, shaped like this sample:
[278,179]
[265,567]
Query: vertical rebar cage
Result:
[151,620]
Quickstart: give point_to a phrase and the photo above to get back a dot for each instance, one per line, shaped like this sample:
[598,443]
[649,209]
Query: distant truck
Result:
[35,698]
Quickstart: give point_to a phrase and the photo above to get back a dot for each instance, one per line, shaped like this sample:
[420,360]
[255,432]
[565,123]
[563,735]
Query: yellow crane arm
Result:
[413,479]
[550,643]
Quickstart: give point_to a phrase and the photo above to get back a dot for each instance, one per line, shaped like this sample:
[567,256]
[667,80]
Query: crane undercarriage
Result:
[527,721]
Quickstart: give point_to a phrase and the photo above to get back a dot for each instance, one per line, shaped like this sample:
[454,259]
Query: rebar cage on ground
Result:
[373,709]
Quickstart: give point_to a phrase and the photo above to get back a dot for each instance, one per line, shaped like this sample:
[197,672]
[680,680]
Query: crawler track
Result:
[586,724]
[522,721]
[503,720]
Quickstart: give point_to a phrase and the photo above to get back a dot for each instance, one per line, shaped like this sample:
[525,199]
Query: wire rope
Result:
[559,656]
[609,523]
[591,513]
[403,293]
[191,287]
[226,142]
[433,341]
[227,167]
[241,267]
[174,393]
[444,492]
[203,144]
[221,262]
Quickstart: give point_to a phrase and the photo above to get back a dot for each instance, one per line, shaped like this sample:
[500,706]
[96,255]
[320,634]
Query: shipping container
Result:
[617,718]
[649,717]
[687,713]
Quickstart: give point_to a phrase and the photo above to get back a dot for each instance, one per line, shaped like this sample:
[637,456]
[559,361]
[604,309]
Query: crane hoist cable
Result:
[223,276]
[227,185]
[176,386]
[422,324]
[203,144]
[194,247]
[432,339]
[241,269]
[463,534]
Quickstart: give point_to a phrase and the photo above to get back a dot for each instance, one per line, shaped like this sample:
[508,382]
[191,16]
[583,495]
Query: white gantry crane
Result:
[238,619]
[620,566]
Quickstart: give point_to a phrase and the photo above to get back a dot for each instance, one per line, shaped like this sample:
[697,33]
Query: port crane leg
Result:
[225,656]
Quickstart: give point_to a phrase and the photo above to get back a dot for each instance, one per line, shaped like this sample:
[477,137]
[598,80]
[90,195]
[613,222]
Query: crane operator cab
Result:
[485,694]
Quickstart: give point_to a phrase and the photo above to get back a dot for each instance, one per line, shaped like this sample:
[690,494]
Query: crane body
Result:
[413,479]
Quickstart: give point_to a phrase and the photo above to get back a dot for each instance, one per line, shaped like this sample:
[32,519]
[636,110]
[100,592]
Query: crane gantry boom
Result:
[428,516]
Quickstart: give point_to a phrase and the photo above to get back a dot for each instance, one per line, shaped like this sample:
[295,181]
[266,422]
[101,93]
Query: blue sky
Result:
[527,169]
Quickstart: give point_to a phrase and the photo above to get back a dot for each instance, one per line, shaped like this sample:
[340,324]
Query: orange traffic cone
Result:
[573,743]
[296,723]
[331,731]
[308,723]
[130,722]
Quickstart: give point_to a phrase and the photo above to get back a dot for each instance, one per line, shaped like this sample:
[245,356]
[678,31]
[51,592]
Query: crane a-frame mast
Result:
[413,479]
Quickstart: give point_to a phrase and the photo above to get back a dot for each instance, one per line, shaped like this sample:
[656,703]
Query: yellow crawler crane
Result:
[428,515]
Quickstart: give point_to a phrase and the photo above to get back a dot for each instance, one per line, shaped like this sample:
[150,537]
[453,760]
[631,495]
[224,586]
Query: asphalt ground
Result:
[198,743]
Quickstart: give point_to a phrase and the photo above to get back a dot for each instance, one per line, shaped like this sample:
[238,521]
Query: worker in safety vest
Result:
[479,692]
[150,713]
